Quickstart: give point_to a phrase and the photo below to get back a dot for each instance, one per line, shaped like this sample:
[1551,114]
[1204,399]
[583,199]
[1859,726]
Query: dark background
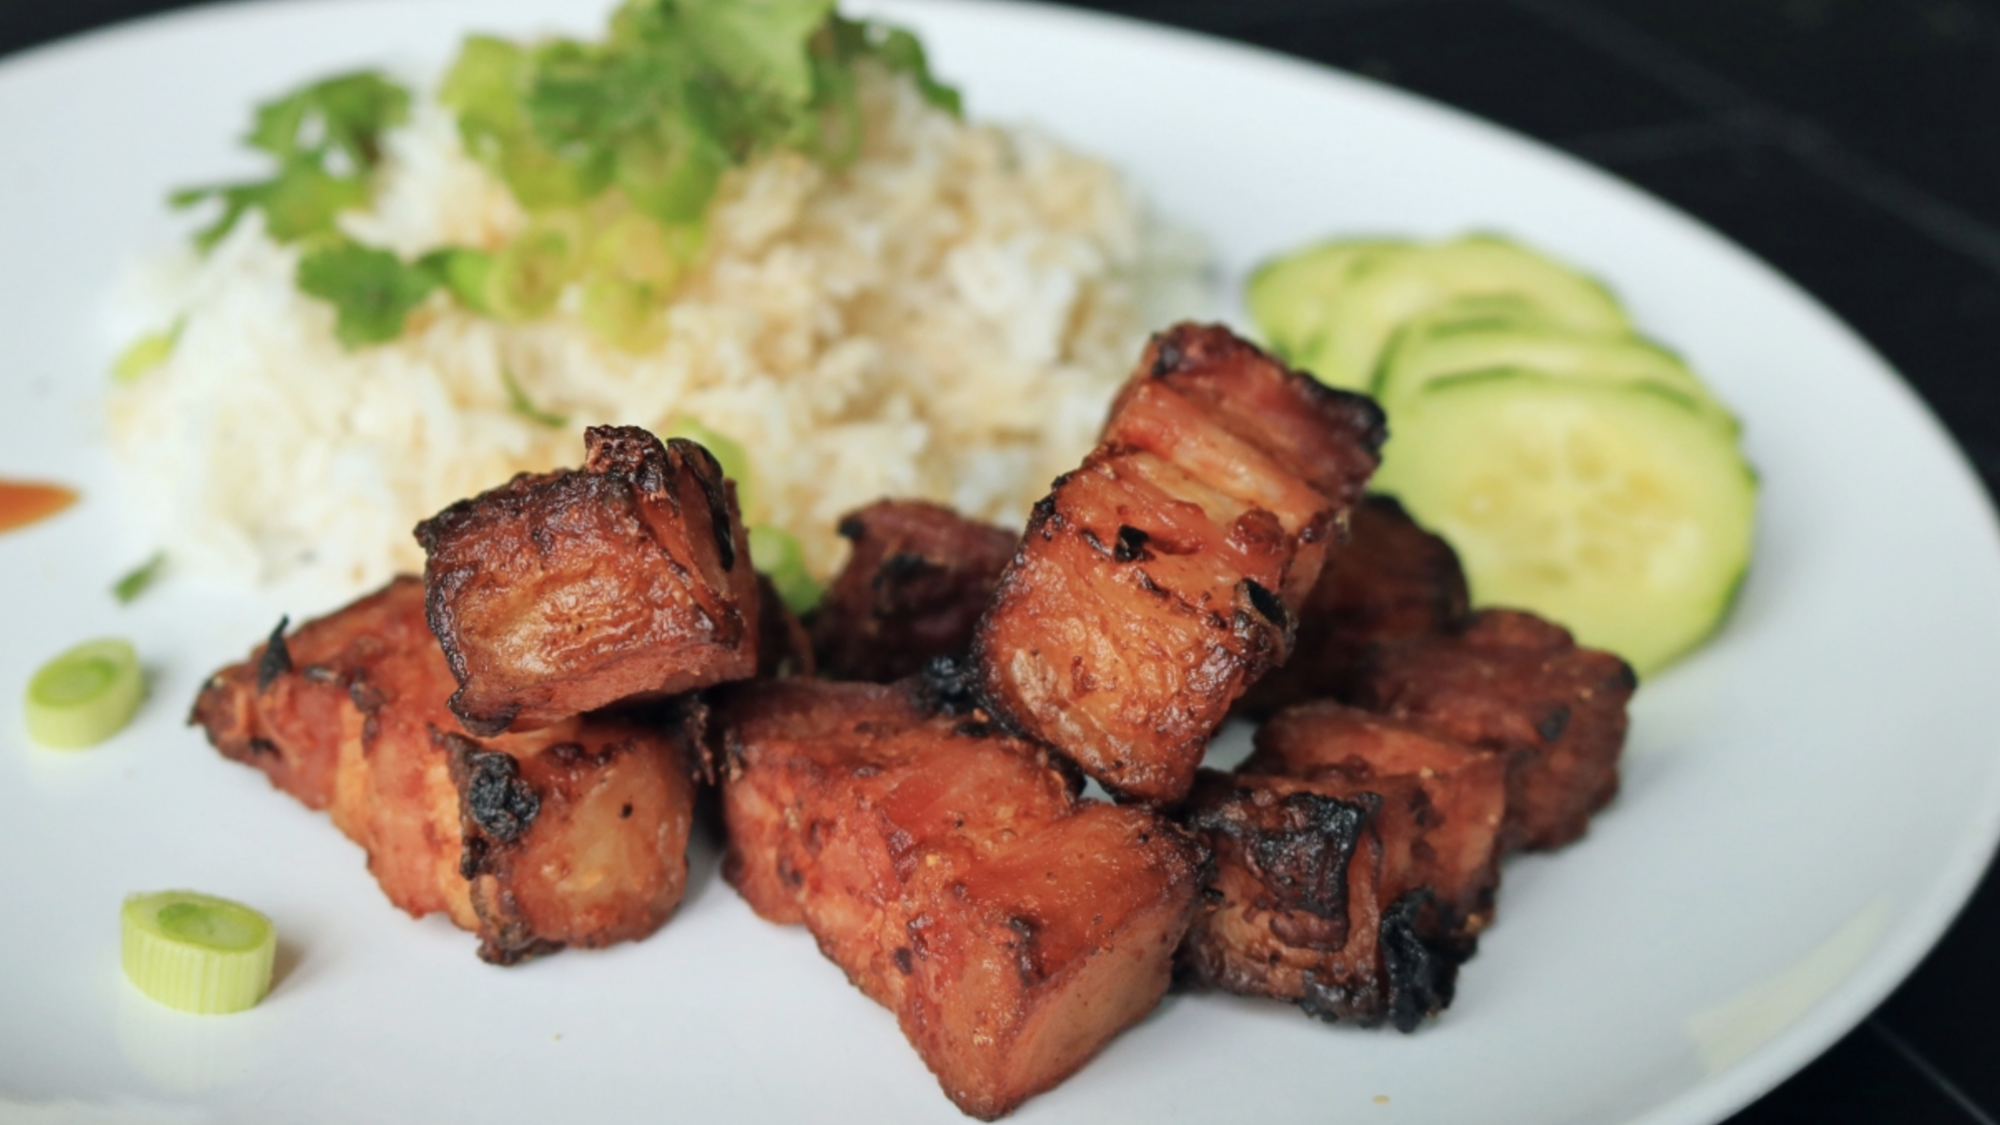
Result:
[1854,144]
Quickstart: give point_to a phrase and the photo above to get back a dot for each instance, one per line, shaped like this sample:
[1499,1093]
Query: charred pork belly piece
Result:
[955,875]
[565,592]
[575,834]
[1390,582]
[1160,579]
[919,577]
[784,647]
[1464,789]
[1510,682]
[1317,897]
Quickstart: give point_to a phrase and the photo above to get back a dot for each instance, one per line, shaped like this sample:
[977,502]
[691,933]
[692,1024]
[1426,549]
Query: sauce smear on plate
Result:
[26,502]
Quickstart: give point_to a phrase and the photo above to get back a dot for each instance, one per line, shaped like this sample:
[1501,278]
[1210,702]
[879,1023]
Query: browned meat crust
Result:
[582,840]
[1391,581]
[1317,897]
[913,588]
[1510,682]
[1160,579]
[566,592]
[955,875]
[1465,789]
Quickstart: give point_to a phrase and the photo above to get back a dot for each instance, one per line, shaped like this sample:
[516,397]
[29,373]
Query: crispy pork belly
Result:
[566,592]
[1510,682]
[574,834]
[917,579]
[1391,581]
[1160,579]
[1317,897]
[1464,788]
[784,647]
[955,875]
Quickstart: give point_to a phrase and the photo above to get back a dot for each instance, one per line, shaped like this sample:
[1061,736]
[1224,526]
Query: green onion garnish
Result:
[519,403]
[146,352]
[85,695]
[777,555]
[135,581]
[196,952]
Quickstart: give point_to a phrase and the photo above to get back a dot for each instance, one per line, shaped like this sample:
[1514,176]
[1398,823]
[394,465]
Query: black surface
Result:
[1854,144]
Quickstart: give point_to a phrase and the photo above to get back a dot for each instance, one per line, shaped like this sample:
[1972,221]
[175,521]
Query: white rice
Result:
[946,319]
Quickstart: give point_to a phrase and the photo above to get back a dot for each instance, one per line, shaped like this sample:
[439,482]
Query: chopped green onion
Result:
[625,314]
[465,272]
[135,581]
[85,695]
[527,276]
[777,555]
[727,451]
[518,401]
[146,352]
[197,952]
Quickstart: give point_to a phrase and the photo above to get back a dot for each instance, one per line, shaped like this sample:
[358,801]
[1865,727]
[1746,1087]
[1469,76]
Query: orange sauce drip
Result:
[25,502]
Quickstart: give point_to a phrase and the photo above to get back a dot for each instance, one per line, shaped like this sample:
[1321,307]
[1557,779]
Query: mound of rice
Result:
[946,319]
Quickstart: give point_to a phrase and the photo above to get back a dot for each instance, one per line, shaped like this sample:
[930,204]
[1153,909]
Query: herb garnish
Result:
[615,148]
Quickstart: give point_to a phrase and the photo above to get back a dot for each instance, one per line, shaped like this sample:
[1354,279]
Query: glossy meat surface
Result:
[1464,789]
[353,719]
[917,579]
[956,877]
[1158,581]
[1317,897]
[1512,683]
[567,592]
[1391,581]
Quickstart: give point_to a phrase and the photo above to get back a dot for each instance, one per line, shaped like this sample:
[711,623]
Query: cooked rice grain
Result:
[946,319]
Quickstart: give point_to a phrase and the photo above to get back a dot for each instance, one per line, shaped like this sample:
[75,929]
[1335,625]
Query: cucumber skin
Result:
[1414,479]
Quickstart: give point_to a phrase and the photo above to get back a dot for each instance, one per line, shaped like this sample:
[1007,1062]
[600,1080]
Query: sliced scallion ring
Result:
[197,952]
[85,695]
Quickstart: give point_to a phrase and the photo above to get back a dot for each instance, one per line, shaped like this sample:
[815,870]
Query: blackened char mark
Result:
[1131,546]
[492,796]
[1422,973]
[277,658]
[1303,851]
[947,685]
[709,471]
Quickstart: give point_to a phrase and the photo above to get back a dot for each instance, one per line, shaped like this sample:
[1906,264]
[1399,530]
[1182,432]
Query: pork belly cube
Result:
[1389,582]
[1316,897]
[596,847]
[1465,790]
[285,710]
[1510,682]
[1157,582]
[575,835]
[917,579]
[566,592]
[955,875]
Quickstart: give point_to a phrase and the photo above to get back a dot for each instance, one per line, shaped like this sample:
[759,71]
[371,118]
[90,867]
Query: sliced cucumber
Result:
[1288,296]
[1426,351]
[1384,290]
[1618,509]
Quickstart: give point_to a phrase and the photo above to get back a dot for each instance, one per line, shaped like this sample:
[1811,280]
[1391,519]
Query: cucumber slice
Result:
[1617,509]
[1288,295]
[1383,291]
[1426,351]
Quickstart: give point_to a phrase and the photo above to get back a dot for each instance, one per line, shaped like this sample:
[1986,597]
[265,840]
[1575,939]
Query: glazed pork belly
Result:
[1161,579]
[1464,792]
[569,591]
[1509,682]
[1313,899]
[575,834]
[1391,581]
[1355,863]
[955,875]
[917,579]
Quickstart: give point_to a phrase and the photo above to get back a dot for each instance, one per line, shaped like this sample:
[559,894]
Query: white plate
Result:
[1807,802]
